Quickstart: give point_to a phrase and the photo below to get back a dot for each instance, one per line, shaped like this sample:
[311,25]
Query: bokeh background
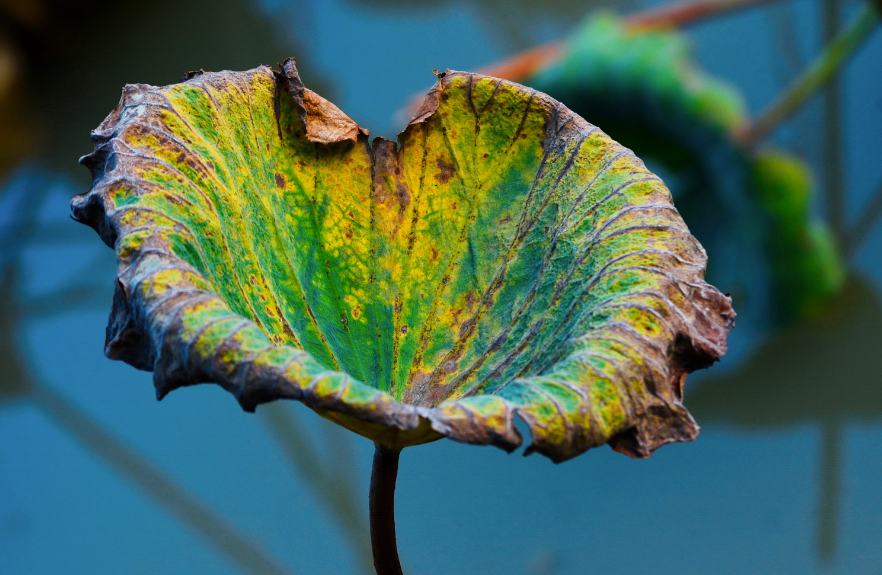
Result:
[96,477]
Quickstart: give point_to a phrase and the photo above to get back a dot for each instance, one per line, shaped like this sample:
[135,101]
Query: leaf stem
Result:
[868,219]
[831,144]
[334,489]
[525,64]
[143,474]
[818,73]
[528,62]
[682,13]
[66,299]
[831,486]
[382,504]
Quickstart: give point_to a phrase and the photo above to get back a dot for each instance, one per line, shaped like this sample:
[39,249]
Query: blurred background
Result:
[98,477]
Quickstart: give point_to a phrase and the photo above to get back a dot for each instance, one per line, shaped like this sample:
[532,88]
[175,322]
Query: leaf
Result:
[644,89]
[808,268]
[507,258]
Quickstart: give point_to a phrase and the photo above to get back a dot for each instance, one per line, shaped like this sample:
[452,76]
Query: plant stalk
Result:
[525,64]
[870,216]
[688,12]
[831,143]
[831,487]
[335,489]
[249,557]
[817,75]
[382,504]
[528,62]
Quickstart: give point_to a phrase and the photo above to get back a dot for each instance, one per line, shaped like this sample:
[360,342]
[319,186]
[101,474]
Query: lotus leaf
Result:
[507,258]
[749,209]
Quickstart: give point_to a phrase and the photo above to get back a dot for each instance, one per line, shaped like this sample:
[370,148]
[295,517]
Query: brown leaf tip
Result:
[192,74]
[325,123]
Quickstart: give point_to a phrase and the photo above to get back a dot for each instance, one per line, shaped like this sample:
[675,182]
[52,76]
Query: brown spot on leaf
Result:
[280,181]
[447,171]
[464,328]
[402,195]
[470,300]
[287,329]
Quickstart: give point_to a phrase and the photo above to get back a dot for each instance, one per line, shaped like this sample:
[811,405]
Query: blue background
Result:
[743,498]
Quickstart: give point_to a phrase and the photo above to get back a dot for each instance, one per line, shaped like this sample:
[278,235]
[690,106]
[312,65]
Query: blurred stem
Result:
[143,474]
[528,62]
[382,504]
[80,292]
[71,298]
[831,144]
[682,13]
[337,440]
[814,77]
[828,513]
[503,21]
[868,219]
[788,45]
[789,65]
[26,232]
[524,64]
[334,488]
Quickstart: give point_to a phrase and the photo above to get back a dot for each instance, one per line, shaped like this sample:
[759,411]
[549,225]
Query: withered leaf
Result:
[507,257]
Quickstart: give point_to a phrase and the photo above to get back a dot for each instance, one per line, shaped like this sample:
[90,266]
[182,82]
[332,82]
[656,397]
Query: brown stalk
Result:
[527,63]
[382,504]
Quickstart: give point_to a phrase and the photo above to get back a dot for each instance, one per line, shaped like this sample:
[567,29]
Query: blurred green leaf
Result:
[749,210]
